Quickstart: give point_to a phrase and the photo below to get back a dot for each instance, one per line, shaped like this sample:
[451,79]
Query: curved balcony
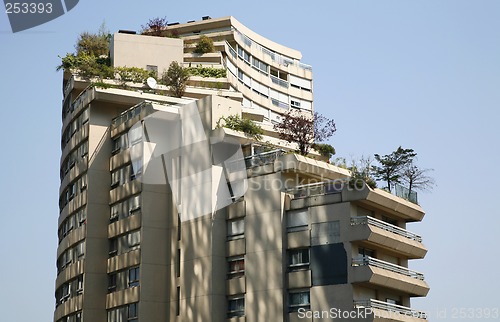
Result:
[369,270]
[385,235]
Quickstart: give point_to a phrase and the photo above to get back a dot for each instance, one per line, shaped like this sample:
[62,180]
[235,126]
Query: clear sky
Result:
[422,74]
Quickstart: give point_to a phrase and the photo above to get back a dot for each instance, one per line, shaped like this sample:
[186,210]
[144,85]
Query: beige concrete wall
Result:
[140,51]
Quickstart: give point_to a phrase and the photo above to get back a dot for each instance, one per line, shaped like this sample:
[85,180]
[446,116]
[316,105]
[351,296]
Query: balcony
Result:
[317,194]
[384,311]
[367,220]
[261,159]
[381,234]
[369,270]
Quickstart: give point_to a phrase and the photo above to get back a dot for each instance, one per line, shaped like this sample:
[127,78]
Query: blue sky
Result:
[421,74]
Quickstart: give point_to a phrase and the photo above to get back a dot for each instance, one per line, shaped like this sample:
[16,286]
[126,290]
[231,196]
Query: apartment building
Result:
[301,244]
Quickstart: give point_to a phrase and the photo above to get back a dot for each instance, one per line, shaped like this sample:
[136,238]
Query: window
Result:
[178,302]
[113,247]
[134,239]
[132,312]
[298,258]
[299,299]
[133,277]
[236,307]
[79,285]
[111,282]
[124,313]
[152,68]
[178,263]
[297,220]
[236,267]
[366,252]
[236,228]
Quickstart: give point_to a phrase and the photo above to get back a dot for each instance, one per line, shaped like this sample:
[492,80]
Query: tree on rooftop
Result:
[155,26]
[176,78]
[305,129]
[416,178]
[93,44]
[204,45]
[237,123]
[392,165]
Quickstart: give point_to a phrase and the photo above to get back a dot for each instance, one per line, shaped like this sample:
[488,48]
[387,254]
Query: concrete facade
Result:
[295,245]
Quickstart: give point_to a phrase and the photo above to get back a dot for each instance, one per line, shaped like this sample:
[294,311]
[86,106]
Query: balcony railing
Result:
[264,158]
[131,113]
[367,220]
[405,193]
[280,59]
[370,261]
[317,188]
[392,309]
[69,86]
[279,81]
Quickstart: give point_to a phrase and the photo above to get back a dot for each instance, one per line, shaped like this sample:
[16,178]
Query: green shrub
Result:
[94,44]
[207,72]
[324,149]
[205,45]
[133,74]
[176,78]
[246,126]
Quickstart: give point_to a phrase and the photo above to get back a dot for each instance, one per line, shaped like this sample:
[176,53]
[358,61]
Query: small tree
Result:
[324,149]
[93,44]
[205,45]
[392,164]
[305,129]
[361,173]
[235,122]
[155,27]
[176,78]
[416,178]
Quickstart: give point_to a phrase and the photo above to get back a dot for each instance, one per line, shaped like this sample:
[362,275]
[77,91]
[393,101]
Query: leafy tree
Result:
[391,165]
[361,173]
[324,149]
[205,45]
[237,123]
[155,27]
[305,129]
[416,178]
[93,44]
[176,78]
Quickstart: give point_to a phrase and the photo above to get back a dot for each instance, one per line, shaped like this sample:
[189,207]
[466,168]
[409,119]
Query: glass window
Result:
[236,307]
[297,220]
[298,258]
[299,299]
[133,277]
[236,267]
[133,312]
[111,282]
[236,228]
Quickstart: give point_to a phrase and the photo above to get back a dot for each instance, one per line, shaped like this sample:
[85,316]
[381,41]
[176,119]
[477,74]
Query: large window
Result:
[124,243]
[125,208]
[133,277]
[236,267]
[127,313]
[236,228]
[298,258]
[236,306]
[299,299]
[297,220]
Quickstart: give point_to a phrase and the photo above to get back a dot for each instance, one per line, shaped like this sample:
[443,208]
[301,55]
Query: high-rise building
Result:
[302,243]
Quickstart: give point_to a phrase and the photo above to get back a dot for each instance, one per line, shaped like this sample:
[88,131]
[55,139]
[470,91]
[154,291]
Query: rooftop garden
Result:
[91,61]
